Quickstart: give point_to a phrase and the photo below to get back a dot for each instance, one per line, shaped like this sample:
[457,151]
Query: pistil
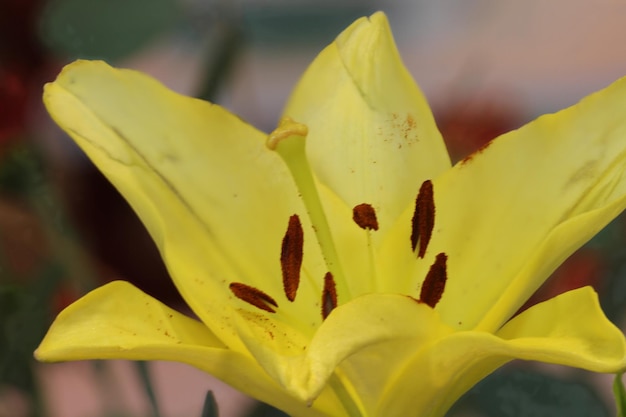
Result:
[288,140]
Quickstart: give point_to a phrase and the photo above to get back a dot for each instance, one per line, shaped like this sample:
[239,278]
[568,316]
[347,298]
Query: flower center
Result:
[288,140]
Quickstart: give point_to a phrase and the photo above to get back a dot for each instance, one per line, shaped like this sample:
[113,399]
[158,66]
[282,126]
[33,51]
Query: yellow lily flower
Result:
[340,266]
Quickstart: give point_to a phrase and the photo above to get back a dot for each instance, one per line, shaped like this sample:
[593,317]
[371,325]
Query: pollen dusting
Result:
[401,128]
[265,328]
[410,121]
[364,216]
[478,151]
[253,296]
[435,281]
[423,220]
[291,256]
[329,295]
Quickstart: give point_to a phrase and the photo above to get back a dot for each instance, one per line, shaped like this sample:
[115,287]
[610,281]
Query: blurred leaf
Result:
[265,410]
[105,29]
[23,175]
[210,406]
[24,319]
[611,242]
[144,375]
[228,43]
[20,170]
[296,23]
[522,393]
[620,395]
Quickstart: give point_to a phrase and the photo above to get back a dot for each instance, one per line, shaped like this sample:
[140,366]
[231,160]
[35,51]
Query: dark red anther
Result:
[253,296]
[291,257]
[329,295]
[423,220]
[364,216]
[435,281]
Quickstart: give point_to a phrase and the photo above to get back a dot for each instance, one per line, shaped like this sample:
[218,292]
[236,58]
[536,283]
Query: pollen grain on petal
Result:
[423,220]
[478,151]
[253,296]
[364,216]
[329,295]
[291,257]
[435,281]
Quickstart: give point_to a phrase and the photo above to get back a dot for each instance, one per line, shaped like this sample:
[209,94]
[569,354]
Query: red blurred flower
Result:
[469,122]
[21,59]
[585,267]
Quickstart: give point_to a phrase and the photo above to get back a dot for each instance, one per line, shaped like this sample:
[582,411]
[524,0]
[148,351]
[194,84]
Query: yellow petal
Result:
[576,334]
[118,321]
[355,352]
[214,198]
[118,318]
[510,214]
[369,340]
[372,138]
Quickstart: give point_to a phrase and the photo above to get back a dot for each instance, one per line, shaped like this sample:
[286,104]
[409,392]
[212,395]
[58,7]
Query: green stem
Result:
[620,395]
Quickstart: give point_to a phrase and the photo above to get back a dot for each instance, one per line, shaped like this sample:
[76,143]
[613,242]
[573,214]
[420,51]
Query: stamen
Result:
[435,281]
[291,257]
[364,216]
[423,218]
[253,296]
[329,295]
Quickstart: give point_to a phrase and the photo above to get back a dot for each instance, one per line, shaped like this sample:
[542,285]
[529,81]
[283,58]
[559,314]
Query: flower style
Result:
[340,266]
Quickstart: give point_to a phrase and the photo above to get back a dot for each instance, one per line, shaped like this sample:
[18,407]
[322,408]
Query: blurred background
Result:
[486,66]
